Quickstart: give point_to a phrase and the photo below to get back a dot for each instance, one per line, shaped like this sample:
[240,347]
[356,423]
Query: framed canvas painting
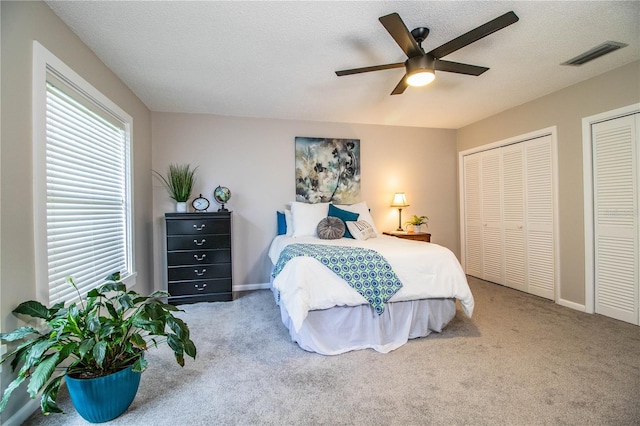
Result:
[327,170]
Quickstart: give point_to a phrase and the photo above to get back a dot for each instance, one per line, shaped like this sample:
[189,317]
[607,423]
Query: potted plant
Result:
[179,182]
[101,338]
[416,222]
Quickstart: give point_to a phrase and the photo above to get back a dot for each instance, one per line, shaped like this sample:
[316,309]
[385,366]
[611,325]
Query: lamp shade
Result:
[399,200]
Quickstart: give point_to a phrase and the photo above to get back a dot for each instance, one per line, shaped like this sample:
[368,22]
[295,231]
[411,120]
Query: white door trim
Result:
[587,179]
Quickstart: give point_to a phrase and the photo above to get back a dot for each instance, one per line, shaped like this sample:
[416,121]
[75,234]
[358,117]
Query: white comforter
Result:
[426,270]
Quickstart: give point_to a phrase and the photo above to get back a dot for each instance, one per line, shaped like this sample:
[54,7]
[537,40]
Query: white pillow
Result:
[289,222]
[361,229]
[363,210]
[305,218]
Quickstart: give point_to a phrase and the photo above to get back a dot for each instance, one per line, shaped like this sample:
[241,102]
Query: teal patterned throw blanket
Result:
[365,270]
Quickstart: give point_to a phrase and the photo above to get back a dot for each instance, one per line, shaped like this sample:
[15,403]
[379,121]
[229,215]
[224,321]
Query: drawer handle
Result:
[200,243]
[200,273]
[199,228]
[199,288]
[201,258]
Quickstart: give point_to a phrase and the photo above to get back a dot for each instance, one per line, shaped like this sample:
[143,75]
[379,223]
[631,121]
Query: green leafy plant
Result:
[179,182]
[417,220]
[106,331]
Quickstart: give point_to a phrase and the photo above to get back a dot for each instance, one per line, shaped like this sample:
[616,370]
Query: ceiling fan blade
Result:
[398,30]
[368,69]
[475,35]
[459,68]
[401,87]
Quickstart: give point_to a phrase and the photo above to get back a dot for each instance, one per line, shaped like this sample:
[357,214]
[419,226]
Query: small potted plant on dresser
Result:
[97,344]
[179,182]
[416,223]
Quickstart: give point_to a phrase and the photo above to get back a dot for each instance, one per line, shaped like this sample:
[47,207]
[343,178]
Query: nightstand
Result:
[417,236]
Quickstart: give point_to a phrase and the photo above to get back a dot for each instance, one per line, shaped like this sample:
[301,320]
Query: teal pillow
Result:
[282,223]
[345,216]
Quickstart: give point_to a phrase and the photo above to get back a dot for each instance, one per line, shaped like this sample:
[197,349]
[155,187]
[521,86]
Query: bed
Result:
[324,314]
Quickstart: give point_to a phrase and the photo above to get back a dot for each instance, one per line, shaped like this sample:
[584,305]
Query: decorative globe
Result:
[221,195]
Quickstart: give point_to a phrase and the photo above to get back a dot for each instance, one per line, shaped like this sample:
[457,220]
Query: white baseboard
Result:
[248,287]
[23,413]
[572,305]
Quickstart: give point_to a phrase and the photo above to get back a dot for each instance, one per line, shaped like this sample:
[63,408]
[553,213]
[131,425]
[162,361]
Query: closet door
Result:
[492,242]
[509,216]
[473,215]
[615,175]
[515,256]
[539,207]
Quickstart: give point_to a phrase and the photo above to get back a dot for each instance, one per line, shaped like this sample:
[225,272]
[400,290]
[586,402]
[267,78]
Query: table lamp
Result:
[399,201]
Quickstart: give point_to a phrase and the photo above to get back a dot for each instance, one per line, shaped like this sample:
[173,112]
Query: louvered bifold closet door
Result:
[539,217]
[473,216]
[492,228]
[513,215]
[616,174]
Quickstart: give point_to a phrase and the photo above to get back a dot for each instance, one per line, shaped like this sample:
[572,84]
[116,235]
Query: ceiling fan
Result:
[421,66]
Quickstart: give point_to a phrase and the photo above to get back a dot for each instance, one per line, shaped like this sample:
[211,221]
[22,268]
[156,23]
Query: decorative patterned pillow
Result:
[330,228]
[363,210]
[361,230]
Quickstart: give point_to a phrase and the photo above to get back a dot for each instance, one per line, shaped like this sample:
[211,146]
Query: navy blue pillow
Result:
[282,224]
[346,216]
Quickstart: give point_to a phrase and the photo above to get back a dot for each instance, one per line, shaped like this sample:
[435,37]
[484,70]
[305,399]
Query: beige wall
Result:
[23,22]
[564,109]
[254,158]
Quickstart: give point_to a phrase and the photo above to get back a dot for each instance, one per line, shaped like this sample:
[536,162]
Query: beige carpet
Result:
[520,360]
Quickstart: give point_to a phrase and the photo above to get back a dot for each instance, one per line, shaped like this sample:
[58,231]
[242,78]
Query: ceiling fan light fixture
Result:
[420,65]
[420,78]
[420,70]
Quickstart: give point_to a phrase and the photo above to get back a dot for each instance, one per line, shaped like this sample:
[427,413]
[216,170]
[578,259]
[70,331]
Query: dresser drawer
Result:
[208,297]
[198,257]
[198,226]
[200,287]
[199,272]
[198,242]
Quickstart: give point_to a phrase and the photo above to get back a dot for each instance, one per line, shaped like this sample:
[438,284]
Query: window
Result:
[82,175]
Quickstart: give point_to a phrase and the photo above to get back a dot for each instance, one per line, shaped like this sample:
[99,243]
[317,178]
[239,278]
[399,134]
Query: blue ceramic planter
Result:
[104,398]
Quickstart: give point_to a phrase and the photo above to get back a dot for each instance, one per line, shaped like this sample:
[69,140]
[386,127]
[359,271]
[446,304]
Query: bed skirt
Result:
[347,328]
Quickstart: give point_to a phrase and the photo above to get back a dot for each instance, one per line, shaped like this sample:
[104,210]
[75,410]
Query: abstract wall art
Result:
[327,170]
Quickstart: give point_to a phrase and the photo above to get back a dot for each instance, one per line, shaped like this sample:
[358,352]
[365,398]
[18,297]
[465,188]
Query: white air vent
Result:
[596,52]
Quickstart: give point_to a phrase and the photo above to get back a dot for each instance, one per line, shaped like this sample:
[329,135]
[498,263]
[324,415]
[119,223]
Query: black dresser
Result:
[199,257]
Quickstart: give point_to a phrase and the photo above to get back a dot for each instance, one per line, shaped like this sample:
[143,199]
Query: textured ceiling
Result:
[277,59]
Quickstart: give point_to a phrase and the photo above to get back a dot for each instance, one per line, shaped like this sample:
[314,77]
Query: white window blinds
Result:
[87,206]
